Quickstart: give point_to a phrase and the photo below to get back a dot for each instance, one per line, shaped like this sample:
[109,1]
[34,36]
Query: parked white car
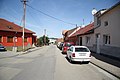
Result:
[79,53]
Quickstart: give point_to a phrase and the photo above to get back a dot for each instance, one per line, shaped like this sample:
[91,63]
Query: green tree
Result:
[44,40]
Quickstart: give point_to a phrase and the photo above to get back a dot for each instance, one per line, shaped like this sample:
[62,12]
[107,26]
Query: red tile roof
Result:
[84,30]
[70,31]
[10,26]
[64,31]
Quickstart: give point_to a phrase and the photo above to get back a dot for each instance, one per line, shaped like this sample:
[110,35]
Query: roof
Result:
[64,31]
[114,6]
[84,30]
[71,31]
[74,31]
[10,26]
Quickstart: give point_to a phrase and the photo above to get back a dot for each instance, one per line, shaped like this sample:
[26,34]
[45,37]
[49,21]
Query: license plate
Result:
[82,54]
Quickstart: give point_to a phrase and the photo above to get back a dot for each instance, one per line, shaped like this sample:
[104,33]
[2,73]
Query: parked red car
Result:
[66,45]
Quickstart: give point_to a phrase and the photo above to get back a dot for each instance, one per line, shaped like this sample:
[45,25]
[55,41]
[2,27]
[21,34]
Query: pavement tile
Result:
[107,64]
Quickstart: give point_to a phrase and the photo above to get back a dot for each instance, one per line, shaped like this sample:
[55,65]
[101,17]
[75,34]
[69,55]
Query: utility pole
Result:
[24,6]
[44,36]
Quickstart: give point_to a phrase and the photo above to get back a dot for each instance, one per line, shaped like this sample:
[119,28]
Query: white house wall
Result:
[91,43]
[112,29]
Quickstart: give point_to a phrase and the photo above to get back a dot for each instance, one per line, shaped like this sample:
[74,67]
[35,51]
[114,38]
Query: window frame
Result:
[106,39]
[106,23]
[81,49]
[9,39]
[25,39]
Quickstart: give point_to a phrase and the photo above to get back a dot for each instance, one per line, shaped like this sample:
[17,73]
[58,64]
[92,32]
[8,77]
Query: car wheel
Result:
[87,62]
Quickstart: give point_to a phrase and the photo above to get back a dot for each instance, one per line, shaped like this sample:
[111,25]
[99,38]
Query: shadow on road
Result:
[81,63]
[106,59]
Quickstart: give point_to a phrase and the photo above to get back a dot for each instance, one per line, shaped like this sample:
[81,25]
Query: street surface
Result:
[48,63]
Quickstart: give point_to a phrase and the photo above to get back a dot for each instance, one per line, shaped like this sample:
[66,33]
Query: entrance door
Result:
[98,43]
[80,41]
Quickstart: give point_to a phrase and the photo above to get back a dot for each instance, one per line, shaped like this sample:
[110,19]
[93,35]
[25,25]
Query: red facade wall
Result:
[73,39]
[34,41]
[18,36]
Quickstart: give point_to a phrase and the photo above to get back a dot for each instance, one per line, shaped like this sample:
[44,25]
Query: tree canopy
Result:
[44,40]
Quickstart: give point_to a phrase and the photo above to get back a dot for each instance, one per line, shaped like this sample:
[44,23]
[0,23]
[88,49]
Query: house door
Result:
[80,41]
[98,43]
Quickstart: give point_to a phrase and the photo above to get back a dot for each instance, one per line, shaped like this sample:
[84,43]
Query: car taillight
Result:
[73,54]
[65,48]
[90,55]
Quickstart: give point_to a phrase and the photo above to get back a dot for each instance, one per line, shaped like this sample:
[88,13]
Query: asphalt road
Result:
[48,63]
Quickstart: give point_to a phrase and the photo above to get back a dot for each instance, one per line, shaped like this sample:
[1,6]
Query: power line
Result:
[50,15]
[32,17]
[21,21]
[35,21]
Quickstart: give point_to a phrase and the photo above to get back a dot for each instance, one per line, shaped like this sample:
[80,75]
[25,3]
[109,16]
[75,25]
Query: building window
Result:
[25,39]
[0,38]
[105,23]
[87,40]
[10,39]
[106,39]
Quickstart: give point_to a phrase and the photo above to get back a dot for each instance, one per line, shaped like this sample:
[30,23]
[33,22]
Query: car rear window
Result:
[68,44]
[81,50]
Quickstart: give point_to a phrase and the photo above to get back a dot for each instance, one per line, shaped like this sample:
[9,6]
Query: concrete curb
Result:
[29,51]
[110,56]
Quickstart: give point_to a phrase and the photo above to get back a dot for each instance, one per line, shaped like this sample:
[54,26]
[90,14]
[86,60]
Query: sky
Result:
[69,11]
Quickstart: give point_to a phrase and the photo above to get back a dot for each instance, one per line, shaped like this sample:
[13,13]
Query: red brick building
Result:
[11,35]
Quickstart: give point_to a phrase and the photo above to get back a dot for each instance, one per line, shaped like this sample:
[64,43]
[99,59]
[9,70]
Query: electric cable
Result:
[50,15]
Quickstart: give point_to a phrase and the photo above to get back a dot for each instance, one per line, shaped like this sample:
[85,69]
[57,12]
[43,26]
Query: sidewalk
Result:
[8,54]
[110,65]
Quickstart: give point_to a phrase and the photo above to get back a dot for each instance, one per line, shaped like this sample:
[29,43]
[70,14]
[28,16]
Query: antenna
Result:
[94,11]
[83,24]
[83,21]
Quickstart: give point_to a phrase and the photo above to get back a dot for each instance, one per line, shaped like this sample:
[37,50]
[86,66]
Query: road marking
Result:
[105,73]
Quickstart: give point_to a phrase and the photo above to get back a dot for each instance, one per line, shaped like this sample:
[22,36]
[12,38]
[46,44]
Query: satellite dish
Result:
[94,11]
